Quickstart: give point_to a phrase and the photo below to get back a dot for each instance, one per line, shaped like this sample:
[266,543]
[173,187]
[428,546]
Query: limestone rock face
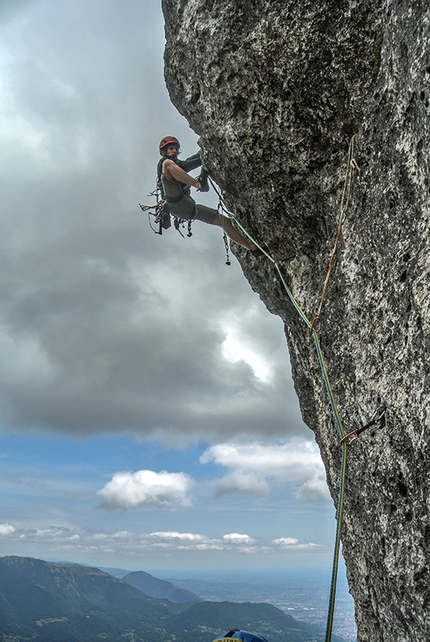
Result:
[276,89]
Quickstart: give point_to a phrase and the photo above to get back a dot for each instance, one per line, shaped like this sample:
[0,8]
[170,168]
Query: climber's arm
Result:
[171,170]
[190,163]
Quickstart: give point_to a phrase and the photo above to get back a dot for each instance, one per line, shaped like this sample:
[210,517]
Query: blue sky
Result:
[148,417]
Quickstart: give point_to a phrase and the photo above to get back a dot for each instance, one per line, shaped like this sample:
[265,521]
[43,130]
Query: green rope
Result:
[341,493]
[336,553]
[337,418]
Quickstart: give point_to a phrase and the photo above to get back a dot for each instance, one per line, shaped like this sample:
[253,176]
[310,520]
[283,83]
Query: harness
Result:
[160,211]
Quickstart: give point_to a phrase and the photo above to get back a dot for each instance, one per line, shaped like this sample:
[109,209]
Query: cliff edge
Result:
[276,90]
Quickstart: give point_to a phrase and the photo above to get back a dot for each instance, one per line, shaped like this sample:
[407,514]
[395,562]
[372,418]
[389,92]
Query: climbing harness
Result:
[379,415]
[159,212]
[162,216]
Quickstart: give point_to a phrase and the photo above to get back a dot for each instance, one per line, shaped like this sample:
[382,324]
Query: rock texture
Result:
[276,89]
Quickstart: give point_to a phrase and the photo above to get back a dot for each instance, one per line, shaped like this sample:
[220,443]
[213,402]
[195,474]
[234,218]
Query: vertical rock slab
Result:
[276,89]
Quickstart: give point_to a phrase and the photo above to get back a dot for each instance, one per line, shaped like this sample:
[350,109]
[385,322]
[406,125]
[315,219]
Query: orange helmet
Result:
[168,140]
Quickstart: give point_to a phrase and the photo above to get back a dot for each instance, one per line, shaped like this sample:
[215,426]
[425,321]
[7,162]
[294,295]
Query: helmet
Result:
[237,634]
[168,140]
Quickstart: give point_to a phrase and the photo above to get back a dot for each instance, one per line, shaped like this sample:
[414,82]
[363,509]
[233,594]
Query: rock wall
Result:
[276,89]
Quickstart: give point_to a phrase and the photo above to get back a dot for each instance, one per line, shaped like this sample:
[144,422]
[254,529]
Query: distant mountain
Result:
[52,602]
[160,589]
[204,621]
[116,572]
[46,602]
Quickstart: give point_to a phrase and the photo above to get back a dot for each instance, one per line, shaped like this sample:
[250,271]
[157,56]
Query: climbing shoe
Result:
[203,180]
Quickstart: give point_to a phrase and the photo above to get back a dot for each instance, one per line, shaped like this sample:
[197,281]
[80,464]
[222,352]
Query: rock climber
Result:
[174,183]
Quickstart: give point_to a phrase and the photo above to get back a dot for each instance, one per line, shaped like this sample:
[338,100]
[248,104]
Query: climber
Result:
[237,634]
[174,183]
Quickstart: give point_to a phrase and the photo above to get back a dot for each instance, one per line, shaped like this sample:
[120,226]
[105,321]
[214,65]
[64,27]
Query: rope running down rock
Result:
[350,172]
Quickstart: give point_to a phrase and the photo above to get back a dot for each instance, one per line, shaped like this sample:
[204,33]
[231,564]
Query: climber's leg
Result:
[225,223]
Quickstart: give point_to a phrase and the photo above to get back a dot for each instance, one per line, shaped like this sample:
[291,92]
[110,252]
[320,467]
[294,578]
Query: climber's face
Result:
[172,151]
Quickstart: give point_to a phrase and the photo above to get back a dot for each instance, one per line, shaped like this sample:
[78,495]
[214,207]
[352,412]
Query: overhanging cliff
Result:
[276,89]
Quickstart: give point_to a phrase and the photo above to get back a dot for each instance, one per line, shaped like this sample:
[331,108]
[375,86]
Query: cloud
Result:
[146,488]
[6,529]
[62,540]
[174,541]
[243,483]
[171,540]
[286,541]
[256,468]
[237,538]
[242,344]
[293,544]
[50,533]
[174,535]
[105,326]
[238,542]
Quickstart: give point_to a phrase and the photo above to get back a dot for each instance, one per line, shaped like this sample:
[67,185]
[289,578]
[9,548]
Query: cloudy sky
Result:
[148,417]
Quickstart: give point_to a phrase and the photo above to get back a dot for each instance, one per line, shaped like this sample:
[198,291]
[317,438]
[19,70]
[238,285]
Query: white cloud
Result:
[162,544]
[146,488]
[255,467]
[237,538]
[293,543]
[315,488]
[176,541]
[286,541]
[58,533]
[241,483]
[6,529]
[174,535]
[240,345]
[194,541]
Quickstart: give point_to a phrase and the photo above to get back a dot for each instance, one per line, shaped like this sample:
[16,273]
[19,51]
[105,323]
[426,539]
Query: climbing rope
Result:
[345,439]
[351,168]
[296,306]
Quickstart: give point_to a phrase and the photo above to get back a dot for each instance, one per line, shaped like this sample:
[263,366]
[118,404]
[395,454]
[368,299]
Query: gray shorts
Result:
[188,209]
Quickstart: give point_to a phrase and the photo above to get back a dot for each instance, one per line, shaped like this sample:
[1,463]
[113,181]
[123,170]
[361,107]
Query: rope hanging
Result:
[346,194]
[351,167]
[341,431]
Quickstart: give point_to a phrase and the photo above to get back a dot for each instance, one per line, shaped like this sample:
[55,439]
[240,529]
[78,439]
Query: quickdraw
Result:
[180,222]
[162,217]
[227,248]
[378,417]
